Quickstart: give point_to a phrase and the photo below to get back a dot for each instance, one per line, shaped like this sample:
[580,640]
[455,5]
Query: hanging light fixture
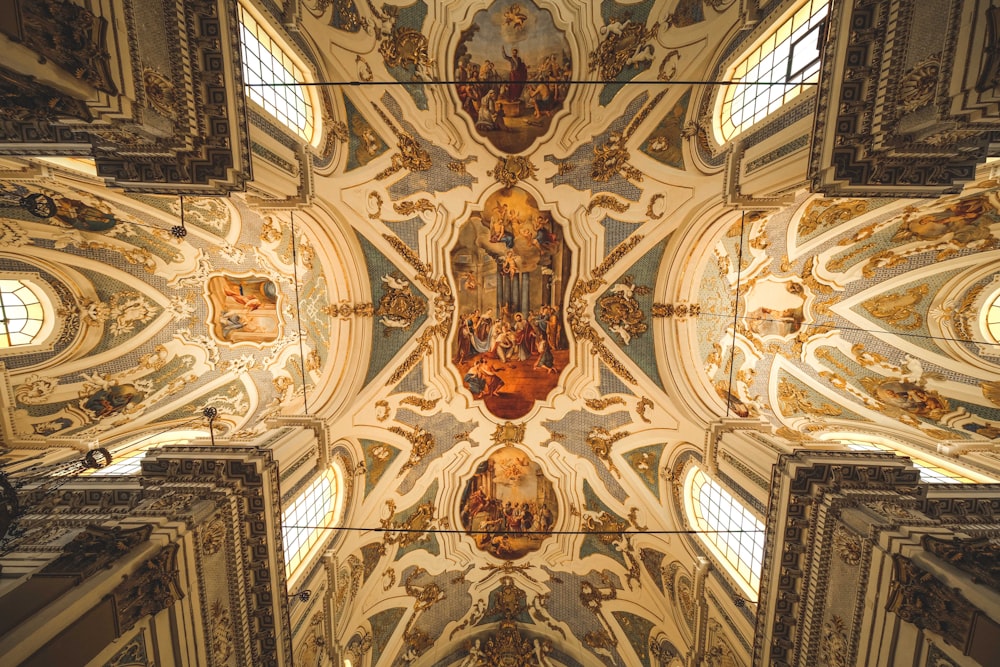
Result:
[180,231]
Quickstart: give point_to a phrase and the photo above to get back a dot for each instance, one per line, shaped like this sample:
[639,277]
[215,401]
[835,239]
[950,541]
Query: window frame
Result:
[293,66]
[740,558]
[310,540]
[780,38]
[44,339]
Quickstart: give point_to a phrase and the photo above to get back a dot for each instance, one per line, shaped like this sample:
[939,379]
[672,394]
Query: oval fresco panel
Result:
[512,68]
[509,506]
[512,266]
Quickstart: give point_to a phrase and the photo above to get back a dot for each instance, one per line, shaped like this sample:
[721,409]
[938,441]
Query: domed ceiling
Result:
[519,303]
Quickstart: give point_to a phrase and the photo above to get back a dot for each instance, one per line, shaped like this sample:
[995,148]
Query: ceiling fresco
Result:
[517,306]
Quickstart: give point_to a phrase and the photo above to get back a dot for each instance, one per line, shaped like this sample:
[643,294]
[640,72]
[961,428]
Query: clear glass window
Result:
[305,521]
[930,472]
[773,73]
[265,62]
[992,321]
[21,314]
[726,525]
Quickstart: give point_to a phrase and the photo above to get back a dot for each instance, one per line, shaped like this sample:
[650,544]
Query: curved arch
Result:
[733,534]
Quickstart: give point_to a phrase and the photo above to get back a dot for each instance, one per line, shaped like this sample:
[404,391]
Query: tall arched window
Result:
[732,533]
[21,314]
[774,70]
[127,459]
[265,62]
[930,472]
[304,522]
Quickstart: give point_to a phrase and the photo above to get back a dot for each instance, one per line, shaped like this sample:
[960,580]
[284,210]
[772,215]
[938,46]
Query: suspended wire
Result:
[469,82]
[736,314]
[298,314]
[458,531]
[834,327]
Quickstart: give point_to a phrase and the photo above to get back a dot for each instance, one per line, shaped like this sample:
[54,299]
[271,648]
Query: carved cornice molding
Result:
[870,93]
[249,474]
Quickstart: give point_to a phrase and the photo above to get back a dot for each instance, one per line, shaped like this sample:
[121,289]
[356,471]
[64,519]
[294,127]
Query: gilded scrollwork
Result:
[600,440]
[422,443]
[410,154]
[899,308]
[621,311]
[512,169]
[401,46]
[623,44]
[422,205]
[793,400]
[607,202]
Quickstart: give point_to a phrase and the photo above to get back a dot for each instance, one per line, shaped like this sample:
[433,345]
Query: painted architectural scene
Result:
[509,506]
[506,47]
[243,309]
[511,264]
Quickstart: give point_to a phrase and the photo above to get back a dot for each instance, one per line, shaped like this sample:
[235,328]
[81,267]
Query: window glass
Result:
[773,73]
[992,322]
[930,472]
[264,62]
[727,525]
[305,520]
[21,314]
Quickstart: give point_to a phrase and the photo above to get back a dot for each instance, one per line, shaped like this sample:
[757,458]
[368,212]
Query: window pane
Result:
[305,520]
[265,63]
[729,526]
[21,314]
[773,71]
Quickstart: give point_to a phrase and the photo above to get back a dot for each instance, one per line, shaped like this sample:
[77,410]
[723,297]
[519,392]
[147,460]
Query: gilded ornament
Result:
[623,45]
[159,92]
[602,403]
[421,403]
[641,406]
[410,155]
[512,169]
[422,443]
[399,307]
[793,400]
[822,213]
[607,202]
[400,46]
[600,441]
[410,207]
[899,309]
[905,396]
[621,312]
[508,433]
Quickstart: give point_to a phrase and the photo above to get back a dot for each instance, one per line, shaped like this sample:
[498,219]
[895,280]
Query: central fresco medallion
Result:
[512,265]
[512,68]
[509,506]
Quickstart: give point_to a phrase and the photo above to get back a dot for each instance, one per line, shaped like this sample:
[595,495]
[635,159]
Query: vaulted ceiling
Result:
[642,309]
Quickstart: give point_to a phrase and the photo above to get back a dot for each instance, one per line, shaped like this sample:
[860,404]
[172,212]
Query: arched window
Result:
[991,319]
[787,58]
[265,62]
[930,472]
[304,522]
[22,316]
[127,459]
[728,528]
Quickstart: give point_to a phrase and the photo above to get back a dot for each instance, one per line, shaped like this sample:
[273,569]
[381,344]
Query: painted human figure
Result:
[518,74]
